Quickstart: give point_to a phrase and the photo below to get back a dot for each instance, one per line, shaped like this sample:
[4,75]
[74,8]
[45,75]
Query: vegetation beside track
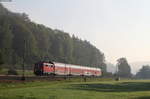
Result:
[77,89]
[27,72]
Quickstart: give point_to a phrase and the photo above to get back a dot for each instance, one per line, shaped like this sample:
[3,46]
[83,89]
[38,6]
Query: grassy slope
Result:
[77,90]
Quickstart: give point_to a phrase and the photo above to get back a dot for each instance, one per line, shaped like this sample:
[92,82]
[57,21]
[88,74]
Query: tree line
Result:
[144,72]
[24,40]
[123,70]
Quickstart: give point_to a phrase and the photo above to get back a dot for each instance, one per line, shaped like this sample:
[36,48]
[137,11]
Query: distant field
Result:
[126,89]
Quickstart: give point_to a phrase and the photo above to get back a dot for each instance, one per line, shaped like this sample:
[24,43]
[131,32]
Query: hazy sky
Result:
[119,28]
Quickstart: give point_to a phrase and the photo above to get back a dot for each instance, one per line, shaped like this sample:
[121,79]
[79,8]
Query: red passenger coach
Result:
[55,68]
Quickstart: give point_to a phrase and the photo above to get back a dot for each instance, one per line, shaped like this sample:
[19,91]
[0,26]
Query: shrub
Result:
[12,72]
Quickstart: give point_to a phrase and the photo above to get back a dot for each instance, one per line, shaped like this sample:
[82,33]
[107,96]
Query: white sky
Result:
[119,28]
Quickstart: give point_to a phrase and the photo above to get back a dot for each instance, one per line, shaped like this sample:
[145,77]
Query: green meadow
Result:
[97,89]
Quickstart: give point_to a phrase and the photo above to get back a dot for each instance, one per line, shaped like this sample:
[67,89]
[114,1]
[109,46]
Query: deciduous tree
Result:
[124,69]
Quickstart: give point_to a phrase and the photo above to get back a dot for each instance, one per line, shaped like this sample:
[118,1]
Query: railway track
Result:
[36,78]
[29,78]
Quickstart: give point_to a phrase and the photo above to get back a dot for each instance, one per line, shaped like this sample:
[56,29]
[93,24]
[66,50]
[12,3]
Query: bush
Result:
[12,72]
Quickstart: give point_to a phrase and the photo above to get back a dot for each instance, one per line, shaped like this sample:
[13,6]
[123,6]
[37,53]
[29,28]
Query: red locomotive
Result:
[55,68]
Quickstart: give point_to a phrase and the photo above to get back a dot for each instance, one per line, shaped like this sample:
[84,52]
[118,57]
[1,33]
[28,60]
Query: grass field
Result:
[125,89]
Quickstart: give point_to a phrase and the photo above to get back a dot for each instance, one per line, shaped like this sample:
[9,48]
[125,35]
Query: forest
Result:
[24,41]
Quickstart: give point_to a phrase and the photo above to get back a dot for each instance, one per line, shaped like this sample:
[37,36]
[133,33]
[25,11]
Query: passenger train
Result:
[56,68]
